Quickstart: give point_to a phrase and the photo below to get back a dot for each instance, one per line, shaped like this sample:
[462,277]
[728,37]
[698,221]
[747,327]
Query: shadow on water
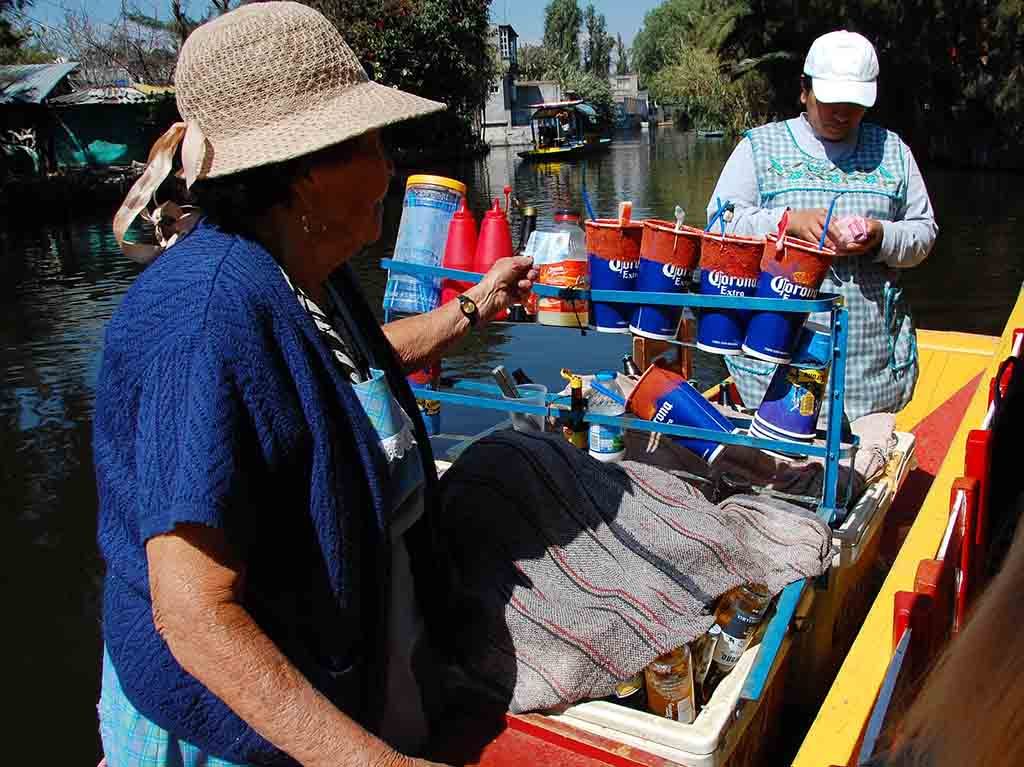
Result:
[60,282]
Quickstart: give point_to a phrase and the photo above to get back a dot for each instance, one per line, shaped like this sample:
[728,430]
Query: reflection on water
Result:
[60,283]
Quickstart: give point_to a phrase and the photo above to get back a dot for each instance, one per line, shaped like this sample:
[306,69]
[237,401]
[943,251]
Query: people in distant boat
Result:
[882,220]
[265,481]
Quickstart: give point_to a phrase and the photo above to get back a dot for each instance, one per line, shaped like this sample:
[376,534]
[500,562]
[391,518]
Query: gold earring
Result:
[309,229]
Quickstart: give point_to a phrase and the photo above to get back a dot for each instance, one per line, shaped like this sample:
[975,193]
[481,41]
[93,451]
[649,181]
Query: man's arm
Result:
[195,582]
[908,241]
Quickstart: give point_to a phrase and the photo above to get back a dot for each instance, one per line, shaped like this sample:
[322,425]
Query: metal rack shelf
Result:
[472,394]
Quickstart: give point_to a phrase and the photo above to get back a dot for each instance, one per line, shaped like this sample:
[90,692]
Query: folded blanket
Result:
[573,574]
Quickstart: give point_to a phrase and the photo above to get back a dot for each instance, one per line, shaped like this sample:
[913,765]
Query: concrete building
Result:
[631,103]
[502,99]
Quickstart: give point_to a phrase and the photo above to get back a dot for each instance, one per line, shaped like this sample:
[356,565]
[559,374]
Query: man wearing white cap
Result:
[882,221]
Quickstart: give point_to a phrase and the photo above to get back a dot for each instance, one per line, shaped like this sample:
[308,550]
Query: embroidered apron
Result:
[881,368]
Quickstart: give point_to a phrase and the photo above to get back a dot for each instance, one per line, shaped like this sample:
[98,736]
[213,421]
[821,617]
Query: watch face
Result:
[468,305]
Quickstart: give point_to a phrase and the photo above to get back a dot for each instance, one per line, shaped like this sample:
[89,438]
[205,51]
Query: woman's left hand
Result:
[508,282]
[874,239]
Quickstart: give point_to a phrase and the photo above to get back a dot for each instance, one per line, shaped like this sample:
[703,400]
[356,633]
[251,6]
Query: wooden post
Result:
[646,350]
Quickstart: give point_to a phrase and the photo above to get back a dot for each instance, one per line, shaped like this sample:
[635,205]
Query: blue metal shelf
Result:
[788,305]
[486,396]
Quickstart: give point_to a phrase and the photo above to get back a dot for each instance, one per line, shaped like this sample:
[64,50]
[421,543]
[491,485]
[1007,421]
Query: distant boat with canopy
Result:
[565,130]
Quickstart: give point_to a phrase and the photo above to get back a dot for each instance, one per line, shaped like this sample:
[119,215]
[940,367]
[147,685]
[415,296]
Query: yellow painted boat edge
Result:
[836,730]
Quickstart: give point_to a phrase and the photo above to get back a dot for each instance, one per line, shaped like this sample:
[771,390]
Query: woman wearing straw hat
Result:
[882,221]
[264,478]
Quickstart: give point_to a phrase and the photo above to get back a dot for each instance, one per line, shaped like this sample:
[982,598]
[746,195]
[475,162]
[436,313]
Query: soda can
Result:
[729,266]
[794,271]
[613,252]
[668,260]
[662,396]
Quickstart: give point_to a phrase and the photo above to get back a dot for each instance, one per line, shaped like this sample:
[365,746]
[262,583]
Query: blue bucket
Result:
[792,404]
[613,251]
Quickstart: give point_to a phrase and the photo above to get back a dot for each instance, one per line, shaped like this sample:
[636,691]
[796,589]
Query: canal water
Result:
[61,280]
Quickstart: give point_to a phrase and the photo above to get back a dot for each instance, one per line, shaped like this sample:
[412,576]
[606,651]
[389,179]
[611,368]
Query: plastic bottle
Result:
[606,442]
[494,242]
[561,258]
[459,251]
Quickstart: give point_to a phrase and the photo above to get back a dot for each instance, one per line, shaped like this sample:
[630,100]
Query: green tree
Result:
[438,49]
[28,49]
[10,11]
[593,89]
[622,62]
[537,62]
[562,22]
[597,56]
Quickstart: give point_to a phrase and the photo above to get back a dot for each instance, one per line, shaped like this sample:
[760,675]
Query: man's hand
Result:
[808,223]
[507,283]
[851,248]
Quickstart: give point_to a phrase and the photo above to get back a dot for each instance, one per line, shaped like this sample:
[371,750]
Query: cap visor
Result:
[844,92]
[353,112]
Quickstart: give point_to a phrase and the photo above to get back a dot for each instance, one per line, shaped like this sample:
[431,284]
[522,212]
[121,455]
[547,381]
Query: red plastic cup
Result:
[729,266]
[459,251]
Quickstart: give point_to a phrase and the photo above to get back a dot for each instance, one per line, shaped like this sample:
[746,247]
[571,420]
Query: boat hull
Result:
[556,154]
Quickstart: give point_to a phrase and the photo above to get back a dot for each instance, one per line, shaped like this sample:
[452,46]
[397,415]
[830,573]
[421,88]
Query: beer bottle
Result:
[738,616]
[670,686]
[630,693]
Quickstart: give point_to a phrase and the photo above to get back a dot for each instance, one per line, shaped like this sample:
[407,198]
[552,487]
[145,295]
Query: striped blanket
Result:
[573,574]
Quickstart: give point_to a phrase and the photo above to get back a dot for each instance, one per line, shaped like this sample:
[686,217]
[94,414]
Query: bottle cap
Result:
[567,214]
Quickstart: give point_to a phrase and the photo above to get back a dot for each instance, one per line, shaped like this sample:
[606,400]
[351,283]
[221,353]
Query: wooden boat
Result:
[565,130]
[934,431]
[712,133]
[847,723]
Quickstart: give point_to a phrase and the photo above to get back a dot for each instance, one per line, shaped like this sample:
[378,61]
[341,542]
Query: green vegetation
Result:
[952,72]
[437,49]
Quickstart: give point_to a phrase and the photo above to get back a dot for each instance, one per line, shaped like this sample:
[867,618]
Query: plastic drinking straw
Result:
[625,213]
[600,389]
[588,206]
[783,226]
[828,220]
[717,216]
[721,219]
[680,216]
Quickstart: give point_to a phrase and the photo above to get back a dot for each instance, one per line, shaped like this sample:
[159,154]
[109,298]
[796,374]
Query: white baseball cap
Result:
[843,67]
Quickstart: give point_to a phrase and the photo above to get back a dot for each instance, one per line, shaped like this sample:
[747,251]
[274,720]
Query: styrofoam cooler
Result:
[720,732]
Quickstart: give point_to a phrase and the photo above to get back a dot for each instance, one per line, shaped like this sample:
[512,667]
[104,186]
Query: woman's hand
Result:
[808,224]
[852,248]
[507,283]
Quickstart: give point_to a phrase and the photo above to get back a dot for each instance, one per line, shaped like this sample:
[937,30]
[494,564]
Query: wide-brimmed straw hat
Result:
[272,81]
[262,84]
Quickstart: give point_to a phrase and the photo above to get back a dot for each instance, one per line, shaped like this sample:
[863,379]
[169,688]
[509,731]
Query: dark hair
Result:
[236,203]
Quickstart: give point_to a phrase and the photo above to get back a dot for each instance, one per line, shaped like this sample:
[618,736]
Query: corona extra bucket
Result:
[662,396]
[729,266]
[795,270]
[668,259]
[791,405]
[613,250]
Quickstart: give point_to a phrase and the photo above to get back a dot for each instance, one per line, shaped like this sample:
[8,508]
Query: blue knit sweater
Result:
[219,404]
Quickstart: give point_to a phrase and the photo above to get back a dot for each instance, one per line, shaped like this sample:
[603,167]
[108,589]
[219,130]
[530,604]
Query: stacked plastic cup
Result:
[613,251]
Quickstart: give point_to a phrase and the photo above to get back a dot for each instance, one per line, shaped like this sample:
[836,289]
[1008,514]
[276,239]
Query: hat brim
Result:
[354,111]
[845,92]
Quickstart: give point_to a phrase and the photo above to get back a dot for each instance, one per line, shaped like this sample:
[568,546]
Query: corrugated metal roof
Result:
[31,83]
[110,94]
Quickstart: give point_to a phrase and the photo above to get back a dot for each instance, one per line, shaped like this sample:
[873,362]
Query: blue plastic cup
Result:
[793,401]
[613,252]
[662,396]
[729,266]
[668,259]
